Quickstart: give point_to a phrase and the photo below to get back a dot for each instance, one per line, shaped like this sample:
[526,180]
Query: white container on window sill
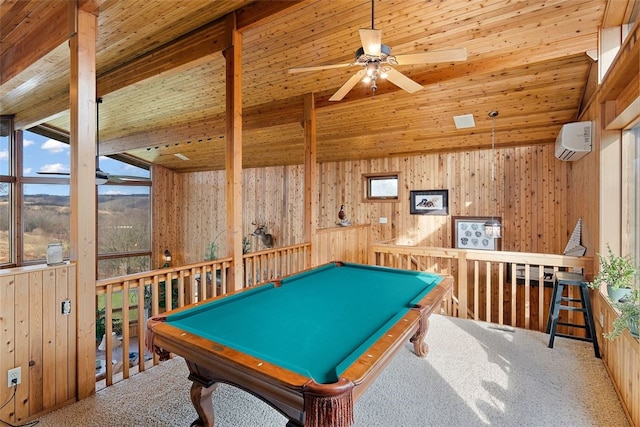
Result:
[54,254]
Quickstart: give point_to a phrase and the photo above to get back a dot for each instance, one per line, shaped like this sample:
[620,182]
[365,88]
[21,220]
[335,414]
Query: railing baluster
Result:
[511,304]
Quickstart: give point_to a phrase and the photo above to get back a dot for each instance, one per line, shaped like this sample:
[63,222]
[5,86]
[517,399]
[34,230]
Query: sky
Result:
[42,154]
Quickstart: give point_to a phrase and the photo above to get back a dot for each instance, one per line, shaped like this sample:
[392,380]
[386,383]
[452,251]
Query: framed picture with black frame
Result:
[468,233]
[429,202]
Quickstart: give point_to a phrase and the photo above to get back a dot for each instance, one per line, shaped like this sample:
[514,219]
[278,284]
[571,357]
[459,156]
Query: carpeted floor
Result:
[476,374]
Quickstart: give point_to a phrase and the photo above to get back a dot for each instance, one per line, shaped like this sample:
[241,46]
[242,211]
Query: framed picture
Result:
[429,202]
[468,233]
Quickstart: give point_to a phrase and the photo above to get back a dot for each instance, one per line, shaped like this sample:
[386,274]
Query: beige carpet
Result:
[475,375]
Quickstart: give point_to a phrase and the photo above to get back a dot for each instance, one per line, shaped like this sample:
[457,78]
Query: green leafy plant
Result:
[629,316]
[617,272]
[101,324]
[246,245]
[211,251]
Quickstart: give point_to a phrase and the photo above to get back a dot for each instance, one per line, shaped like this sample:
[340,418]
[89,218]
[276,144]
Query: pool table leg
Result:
[420,347]
[201,399]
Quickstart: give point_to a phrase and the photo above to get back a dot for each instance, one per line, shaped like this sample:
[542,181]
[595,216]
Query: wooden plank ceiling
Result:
[161,76]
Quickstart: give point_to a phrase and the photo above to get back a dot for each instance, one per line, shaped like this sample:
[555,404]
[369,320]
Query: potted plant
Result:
[629,316]
[618,273]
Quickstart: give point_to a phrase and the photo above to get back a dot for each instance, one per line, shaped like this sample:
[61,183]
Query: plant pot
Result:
[617,294]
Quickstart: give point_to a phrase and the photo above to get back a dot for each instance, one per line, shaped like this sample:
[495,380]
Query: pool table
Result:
[308,344]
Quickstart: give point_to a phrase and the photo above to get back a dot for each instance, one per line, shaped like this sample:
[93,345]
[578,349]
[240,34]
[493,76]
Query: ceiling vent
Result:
[574,141]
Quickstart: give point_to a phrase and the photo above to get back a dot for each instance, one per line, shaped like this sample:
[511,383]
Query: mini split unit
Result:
[574,141]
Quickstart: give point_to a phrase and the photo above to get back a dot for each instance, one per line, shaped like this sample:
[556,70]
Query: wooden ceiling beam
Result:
[256,13]
[208,128]
[22,43]
[187,51]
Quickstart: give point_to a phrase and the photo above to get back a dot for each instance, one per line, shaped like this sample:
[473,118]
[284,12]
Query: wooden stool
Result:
[564,279]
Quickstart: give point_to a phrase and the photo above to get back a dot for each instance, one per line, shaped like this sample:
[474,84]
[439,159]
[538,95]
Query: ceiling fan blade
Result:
[123,178]
[54,173]
[317,68]
[347,86]
[446,55]
[402,81]
[371,40]
[113,180]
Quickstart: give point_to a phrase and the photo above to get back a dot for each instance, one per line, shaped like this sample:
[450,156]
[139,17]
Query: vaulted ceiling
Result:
[161,75]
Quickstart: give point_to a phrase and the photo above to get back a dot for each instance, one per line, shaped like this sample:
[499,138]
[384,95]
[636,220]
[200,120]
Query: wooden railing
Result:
[168,288]
[264,266]
[493,286]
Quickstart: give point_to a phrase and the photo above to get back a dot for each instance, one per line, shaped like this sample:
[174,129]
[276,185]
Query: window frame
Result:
[366,183]
[16,181]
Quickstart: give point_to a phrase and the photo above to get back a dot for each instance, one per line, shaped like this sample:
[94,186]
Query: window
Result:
[124,230]
[35,207]
[45,219]
[381,187]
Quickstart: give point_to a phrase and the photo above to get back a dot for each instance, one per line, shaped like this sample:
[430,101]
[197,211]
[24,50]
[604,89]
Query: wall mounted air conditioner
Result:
[573,141]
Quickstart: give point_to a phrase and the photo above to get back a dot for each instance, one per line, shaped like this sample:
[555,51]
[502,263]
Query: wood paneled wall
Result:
[38,338]
[621,357]
[189,209]
[341,244]
[532,196]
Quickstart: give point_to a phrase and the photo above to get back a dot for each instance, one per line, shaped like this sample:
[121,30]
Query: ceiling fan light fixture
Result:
[373,53]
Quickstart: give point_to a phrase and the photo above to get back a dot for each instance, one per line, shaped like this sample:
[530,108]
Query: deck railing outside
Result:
[168,288]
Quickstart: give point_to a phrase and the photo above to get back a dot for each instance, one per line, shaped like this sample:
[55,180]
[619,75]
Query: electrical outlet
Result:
[66,307]
[383,220]
[14,377]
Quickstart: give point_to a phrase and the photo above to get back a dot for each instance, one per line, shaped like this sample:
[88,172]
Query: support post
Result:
[310,173]
[233,139]
[82,106]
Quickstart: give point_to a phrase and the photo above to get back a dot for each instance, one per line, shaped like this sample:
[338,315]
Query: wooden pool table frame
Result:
[299,398]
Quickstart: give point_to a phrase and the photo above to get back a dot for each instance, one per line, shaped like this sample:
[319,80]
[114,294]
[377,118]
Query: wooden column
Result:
[233,140]
[82,105]
[310,172]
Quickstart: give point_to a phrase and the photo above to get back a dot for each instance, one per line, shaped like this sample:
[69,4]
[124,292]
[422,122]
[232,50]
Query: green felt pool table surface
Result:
[315,323]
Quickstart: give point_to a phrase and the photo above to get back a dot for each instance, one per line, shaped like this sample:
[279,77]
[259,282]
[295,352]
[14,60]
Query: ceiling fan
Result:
[101,176]
[375,59]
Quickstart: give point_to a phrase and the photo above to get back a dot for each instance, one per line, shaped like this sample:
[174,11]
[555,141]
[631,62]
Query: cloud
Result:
[4,154]
[28,142]
[115,193]
[56,167]
[53,146]
[27,170]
